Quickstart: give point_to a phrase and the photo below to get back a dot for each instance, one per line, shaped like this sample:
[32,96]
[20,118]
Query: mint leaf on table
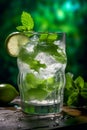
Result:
[73,98]
[69,87]
[83,91]
[27,22]
[75,92]
[79,82]
[69,81]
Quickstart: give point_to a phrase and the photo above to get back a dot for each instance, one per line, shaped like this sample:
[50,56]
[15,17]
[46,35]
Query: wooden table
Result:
[12,118]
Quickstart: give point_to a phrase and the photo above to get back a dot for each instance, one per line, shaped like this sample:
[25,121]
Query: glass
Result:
[42,62]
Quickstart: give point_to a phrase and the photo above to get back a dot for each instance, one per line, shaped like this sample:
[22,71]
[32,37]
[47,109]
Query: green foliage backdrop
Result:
[49,15]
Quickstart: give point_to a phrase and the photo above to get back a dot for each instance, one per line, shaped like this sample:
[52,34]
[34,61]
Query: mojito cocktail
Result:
[42,62]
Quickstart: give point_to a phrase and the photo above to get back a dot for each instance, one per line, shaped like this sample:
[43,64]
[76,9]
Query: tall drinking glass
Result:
[41,63]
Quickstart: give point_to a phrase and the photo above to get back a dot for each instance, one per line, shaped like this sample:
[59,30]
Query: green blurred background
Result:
[69,16]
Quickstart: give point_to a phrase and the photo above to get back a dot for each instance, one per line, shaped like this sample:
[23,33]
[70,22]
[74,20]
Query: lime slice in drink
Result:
[7,93]
[14,41]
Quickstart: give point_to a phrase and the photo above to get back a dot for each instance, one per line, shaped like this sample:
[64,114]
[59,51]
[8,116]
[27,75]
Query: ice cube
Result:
[60,44]
[30,47]
[50,70]
[32,43]
[45,58]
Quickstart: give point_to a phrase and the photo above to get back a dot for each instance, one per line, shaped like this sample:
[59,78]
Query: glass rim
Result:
[44,32]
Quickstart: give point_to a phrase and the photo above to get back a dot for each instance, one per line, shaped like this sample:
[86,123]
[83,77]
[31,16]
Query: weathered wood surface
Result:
[12,118]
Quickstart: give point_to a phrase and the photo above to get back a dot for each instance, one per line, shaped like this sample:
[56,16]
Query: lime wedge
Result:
[7,93]
[14,41]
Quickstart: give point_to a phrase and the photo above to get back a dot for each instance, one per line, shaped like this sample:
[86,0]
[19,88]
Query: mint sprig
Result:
[75,93]
[27,22]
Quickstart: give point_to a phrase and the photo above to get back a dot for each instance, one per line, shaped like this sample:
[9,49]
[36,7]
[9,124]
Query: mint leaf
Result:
[69,87]
[21,28]
[73,99]
[75,92]
[69,81]
[83,91]
[79,82]
[48,37]
[43,37]
[52,37]
[27,22]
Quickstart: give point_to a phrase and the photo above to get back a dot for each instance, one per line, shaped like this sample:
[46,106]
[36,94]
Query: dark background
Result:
[69,16]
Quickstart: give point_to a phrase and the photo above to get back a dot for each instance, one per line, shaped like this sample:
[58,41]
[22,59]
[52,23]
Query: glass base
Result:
[41,109]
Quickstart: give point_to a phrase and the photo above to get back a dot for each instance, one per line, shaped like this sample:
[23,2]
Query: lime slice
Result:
[14,41]
[7,93]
